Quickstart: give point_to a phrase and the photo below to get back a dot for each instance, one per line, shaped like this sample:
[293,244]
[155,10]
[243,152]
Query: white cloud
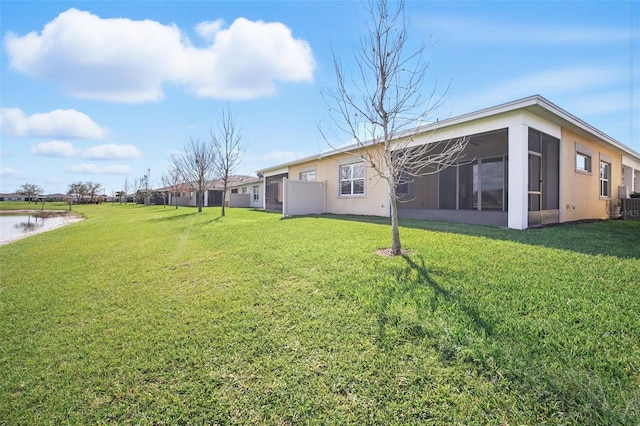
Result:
[101,170]
[111,151]
[9,172]
[54,149]
[467,29]
[100,152]
[65,123]
[245,60]
[208,30]
[122,60]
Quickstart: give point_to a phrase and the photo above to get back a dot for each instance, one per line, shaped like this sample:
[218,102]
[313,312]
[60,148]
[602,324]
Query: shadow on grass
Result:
[174,216]
[415,286]
[532,360]
[608,238]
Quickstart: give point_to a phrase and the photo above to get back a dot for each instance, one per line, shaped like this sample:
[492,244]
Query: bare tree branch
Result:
[195,165]
[384,108]
[30,191]
[227,142]
[171,180]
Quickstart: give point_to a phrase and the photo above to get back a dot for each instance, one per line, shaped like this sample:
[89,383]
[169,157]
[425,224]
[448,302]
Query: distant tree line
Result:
[85,193]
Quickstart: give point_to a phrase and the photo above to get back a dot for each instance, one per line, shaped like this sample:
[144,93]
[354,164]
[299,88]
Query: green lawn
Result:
[153,315]
[20,205]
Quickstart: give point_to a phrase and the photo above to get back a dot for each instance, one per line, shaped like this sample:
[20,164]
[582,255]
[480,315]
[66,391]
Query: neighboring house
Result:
[528,162]
[242,191]
[13,197]
[56,197]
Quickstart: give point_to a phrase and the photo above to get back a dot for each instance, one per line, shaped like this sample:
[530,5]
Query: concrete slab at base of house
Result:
[460,216]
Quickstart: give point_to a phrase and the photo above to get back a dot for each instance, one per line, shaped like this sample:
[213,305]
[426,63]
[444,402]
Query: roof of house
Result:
[239,180]
[535,104]
[216,184]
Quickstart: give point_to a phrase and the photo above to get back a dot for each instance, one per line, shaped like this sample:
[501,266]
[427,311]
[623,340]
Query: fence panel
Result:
[303,197]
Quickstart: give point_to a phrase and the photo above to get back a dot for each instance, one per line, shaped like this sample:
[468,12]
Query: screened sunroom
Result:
[476,188]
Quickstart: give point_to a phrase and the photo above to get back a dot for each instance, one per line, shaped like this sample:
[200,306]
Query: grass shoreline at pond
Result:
[160,315]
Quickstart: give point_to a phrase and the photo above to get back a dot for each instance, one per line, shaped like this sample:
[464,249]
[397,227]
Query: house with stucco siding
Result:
[527,162]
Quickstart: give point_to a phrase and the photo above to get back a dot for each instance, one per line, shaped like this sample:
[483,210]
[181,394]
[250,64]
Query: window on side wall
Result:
[352,179]
[605,179]
[307,175]
[256,193]
[583,162]
[584,154]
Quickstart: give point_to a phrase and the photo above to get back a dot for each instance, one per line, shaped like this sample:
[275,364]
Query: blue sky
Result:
[103,90]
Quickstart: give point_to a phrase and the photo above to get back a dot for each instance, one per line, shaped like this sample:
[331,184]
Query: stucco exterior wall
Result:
[580,191]
[374,201]
[502,130]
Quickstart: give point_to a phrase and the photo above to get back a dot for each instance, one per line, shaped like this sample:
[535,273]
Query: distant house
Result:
[13,197]
[245,192]
[47,197]
[56,197]
[528,162]
[242,191]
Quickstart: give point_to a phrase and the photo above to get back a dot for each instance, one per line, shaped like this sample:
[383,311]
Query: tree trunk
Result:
[396,247]
[199,196]
[223,200]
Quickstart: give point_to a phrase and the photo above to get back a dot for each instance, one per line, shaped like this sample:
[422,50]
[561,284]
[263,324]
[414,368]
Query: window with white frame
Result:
[584,154]
[244,190]
[256,193]
[307,175]
[583,162]
[605,179]
[352,179]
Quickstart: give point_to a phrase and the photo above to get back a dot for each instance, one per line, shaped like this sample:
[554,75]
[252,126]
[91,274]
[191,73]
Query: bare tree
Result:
[136,194]
[195,165]
[31,192]
[383,108]
[227,142]
[145,187]
[125,190]
[171,180]
[92,189]
[78,190]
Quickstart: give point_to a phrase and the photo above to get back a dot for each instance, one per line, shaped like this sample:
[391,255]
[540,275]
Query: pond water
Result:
[14,226]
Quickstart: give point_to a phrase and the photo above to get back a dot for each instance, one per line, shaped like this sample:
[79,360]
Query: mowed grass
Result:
[23,205]
[156,315]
